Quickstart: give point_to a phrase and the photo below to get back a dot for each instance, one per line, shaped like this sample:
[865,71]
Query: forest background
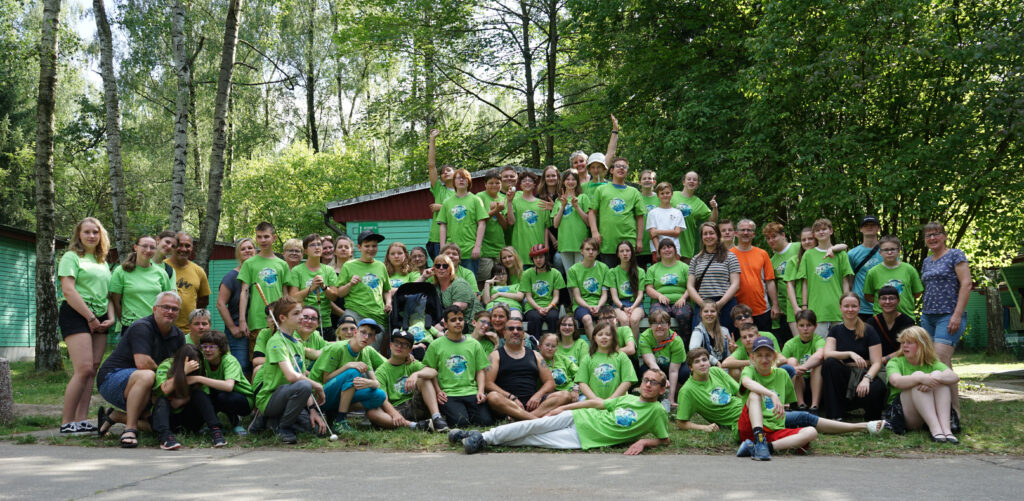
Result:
[212,116]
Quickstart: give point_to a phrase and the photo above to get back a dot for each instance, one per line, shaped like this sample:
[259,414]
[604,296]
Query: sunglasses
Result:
[441,266]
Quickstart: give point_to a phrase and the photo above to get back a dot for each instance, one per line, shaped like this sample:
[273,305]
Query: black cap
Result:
[868,219]
[347,319]
[400,334]
[369,235]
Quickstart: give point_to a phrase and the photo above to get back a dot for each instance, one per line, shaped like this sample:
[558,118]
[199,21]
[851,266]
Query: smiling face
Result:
[527,184]
[309,321]
[492,186]
[184,249]
[514,334]
[652,385]
[889,303]
[346,331]
[454,256]
[246,250]
[648,179]
[619,170]
[499,318]
[327,249]
[567,327]
[145,249]
[89,234]
[667,251]
[368,250]
[166,245]
[211,352]
[578,162]
[418,258]
[165,311]
[343,250]
[570,183]
[691,181]
[603,338]
[745,231]
[935,240]
[708,237]
[508,259]
[807,240]
[509,178]
[701,365]
[660,329]
[665,196]
[548,347]
[849,307]
[708,314]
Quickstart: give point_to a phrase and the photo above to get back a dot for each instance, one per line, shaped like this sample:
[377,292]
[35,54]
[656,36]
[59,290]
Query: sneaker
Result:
[218,437]
[170,444]
[813,410]
[69,429]
[240,430]
[286,435]
[256,425]
[474,442]
[87,427]
[423,425]
[342,426]
[456,435]
[438,424]
[746,449]
[761,452]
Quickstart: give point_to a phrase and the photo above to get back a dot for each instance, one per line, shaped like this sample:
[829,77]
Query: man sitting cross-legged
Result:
[519,384]
[411,386]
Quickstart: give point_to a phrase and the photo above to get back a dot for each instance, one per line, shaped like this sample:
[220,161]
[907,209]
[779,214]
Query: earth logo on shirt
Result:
[650,207]
[395,283]
[625,417]
[417,333]
[501,288]
[558,375]
[399,386]
[591,285]
[825,271]
[662,360]
[541,288]
[268,276]
[605,373]
[685,209]
[459,212]
[804,358]
[530,217]
[670,279]
[372,281]
[572,359]
[781,270]
[457,364]
[567,210]
[625,289]
[768,403]
[617,205]
[897,283]
[719,396]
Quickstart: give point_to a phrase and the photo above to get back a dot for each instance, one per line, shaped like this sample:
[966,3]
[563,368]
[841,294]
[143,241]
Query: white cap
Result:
[598,158]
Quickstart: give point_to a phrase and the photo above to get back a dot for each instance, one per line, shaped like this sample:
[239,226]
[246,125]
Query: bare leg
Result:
[623,319]
[754,411]
[836,427]
[816,386]
[942,395]
[588,326]
[806,436]
[99,344]
[798,387]
[945,354]
[136,394]
[919,410]
[380,418]
[426,387]
[503,405]
[80,352]
[549,404]
[346,399]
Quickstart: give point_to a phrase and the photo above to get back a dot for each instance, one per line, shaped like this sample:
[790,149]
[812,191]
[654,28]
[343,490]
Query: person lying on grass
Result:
[587,424]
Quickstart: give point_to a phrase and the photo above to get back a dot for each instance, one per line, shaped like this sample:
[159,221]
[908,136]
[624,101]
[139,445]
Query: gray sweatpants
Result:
[287,406]
[551,432]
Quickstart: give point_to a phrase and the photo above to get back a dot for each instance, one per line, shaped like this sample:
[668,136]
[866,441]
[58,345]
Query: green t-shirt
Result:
[695,212]
[392,380]
[138,290]
[494,234]
[649,202]
[590,187]
[801,351]
[741,351]
[529,226]
[625,335]
[716,399]
[301,276]
[573,228]
[541,285]
[441,194]
[271,275]
[777,382]
[618,279]
[900,365]
[336,355]
[563,371]
[903,277]
[669,280]
[617,208]
[623,419]
[461,215]
[400,280]
[457,364]
[163,373]
[588,280]
[261,340]
[230,370]
[509,289]
[604,373]
[91,280]
[780,261]
[467,275]
[367,297]
[792,274]
[824,282]
[280,348]
[575,353]
[486,344]
[672,353]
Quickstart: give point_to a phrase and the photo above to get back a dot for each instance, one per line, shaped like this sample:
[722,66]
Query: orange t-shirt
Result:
[755,269]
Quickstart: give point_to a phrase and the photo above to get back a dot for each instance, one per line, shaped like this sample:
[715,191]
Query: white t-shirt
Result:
[665,219]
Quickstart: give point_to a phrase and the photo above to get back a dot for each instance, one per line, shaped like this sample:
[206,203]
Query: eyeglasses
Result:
[441,266]
[744,230]
[743,315]
[889,250]
[306,318]
[209,347]
[655,382]
[513,329]
[170,309]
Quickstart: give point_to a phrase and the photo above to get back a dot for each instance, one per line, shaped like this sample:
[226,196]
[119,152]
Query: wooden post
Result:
[6,394]
[994,314]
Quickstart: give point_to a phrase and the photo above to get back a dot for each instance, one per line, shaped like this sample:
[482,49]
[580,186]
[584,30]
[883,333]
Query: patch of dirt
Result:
[1006,390]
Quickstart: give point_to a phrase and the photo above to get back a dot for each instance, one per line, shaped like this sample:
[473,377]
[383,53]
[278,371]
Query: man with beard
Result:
[519,384]
[192,284]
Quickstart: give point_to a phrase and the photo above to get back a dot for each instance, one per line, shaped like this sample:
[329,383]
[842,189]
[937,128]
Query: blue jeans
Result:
[471,265]
[800,419]
[724,315]
[937,325]
[370,398]
[240,350]
[113,387]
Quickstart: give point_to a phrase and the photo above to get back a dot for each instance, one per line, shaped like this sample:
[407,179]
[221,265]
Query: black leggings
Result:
[197,412]
[234,404]
[464,411]
[835,377]
[534,319]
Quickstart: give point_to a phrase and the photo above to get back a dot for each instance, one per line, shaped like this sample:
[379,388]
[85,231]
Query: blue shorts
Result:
[113,387]
[800,419]
[937,325]
[580,312]
[369,398]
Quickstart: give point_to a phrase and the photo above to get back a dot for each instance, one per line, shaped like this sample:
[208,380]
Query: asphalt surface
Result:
[55,472]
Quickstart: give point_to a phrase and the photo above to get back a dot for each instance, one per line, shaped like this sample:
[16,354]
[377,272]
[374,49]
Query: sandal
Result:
[875,426]
[131,441]
[103,421]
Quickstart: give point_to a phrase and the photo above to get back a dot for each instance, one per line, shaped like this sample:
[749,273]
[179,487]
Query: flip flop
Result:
[130,442]
[876,426]
[103,418]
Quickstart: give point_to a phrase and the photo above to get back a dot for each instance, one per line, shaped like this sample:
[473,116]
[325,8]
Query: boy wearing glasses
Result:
[588,424]
[894,273]
[411,387]
[346,370]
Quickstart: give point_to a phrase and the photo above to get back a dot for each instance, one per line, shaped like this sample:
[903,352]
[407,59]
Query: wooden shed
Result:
[18,292]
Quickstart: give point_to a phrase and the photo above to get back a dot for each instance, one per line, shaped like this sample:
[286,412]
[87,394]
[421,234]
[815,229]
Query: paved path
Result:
[54,472]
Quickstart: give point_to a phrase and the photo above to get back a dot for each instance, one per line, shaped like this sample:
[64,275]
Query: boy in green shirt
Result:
[494,230]
[617,214]
[826,276]
[346,371]
[269,272]
[363,282]
[460,363]
[590,423]
[411,387]
[805,352]
[891,271]
[463,220]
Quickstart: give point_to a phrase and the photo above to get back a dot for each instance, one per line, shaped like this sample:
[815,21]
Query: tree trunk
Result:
[552,74]
[47,348]
[994,314]
[210,223]
[314,136]
[184,74]
[113,119]
[531,106]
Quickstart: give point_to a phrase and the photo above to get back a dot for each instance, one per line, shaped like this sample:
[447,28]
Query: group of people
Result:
[557,292]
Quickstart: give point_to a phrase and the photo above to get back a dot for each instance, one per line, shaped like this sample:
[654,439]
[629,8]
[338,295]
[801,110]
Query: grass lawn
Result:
[991,426]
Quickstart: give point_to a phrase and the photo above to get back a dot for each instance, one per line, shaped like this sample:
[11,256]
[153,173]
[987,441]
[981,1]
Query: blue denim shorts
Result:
[113,387]
[937,325]
[800,419]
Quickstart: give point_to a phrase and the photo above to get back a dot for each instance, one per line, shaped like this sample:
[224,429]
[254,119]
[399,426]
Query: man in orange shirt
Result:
[757,276]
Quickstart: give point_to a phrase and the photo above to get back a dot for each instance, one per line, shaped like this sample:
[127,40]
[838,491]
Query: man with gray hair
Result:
[757,277]
[199,323]
[125,379]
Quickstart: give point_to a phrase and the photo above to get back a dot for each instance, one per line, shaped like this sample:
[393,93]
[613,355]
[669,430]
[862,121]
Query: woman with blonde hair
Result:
[512,262]
[920,387]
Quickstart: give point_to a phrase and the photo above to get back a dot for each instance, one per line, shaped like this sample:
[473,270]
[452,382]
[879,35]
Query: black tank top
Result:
[518,376]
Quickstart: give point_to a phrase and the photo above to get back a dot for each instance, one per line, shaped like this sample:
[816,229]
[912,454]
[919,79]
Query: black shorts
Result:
[414,409]
[70,322]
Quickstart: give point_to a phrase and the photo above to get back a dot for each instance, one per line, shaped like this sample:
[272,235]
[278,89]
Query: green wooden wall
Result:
[17,294]
[411,232]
